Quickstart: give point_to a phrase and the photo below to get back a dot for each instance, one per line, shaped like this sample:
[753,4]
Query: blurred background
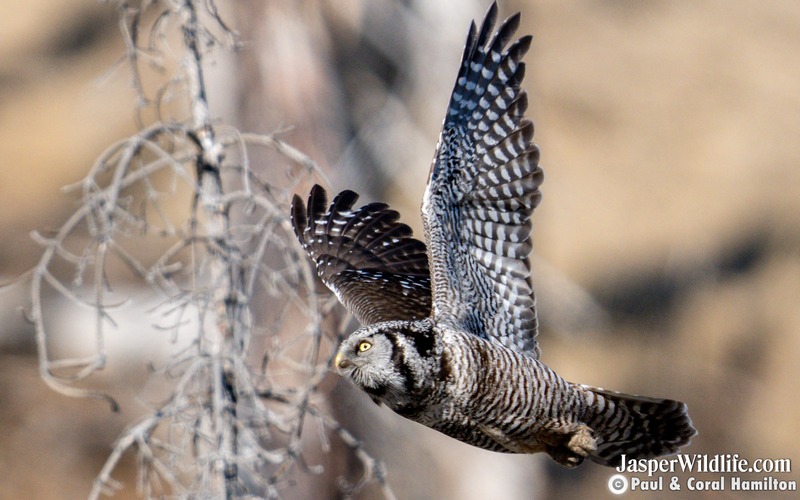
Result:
[667,246]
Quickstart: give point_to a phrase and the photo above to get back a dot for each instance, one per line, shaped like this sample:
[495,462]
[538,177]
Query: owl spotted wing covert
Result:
[368,258]
[482,188]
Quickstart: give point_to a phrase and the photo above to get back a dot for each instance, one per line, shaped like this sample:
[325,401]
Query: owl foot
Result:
[582,442]
[580,445]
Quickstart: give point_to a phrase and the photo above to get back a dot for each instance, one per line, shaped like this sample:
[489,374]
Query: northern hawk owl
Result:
[450,327]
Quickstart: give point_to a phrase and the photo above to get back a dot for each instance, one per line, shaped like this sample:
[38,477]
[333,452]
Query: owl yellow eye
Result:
[364,346]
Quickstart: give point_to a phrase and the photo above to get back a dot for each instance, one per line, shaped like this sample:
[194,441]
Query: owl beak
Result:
[340,361]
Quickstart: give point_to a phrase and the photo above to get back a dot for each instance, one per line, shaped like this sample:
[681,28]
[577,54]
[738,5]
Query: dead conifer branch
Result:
[179,213]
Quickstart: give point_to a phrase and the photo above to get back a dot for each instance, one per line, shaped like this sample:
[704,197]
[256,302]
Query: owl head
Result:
[385,359]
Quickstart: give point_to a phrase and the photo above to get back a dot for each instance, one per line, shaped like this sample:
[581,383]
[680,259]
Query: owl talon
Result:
[565,457]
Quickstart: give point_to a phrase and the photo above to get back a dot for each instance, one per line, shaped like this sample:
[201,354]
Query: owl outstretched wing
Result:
[483,186]
[365,256]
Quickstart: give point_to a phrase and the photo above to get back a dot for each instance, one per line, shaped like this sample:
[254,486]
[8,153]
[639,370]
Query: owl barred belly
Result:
[514,402]
[492,397]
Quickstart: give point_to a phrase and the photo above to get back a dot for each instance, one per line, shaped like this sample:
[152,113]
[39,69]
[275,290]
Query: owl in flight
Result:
[449,335]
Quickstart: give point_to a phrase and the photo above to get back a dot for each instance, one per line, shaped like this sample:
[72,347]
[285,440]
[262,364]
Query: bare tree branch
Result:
[226,428]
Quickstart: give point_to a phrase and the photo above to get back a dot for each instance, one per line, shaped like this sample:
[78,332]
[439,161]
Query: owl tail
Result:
[635,426]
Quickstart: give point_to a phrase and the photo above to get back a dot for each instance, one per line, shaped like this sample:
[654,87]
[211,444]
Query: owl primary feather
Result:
[449,336]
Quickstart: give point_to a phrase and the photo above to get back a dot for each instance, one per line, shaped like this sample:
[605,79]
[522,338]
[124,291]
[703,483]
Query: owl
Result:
[450,325]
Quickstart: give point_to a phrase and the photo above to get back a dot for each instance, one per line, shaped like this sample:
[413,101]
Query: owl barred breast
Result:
[450,326]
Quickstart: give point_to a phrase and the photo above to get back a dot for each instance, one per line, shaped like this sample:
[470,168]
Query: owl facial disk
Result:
[349,353]
[365,359]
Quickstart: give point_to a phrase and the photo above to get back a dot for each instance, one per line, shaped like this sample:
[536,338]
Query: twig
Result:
[226,429]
